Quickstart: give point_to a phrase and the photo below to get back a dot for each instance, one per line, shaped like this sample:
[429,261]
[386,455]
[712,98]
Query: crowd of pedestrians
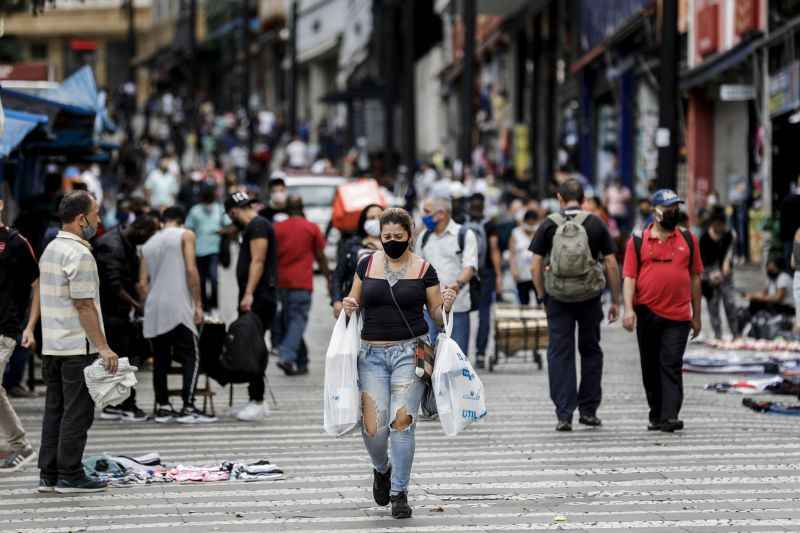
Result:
[146,287]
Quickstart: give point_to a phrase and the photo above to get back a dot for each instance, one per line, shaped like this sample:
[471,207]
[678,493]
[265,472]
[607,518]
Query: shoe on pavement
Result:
[191,415]
[165,414]
[480,361]
[672,425]
[302,371]
[46,486]
[134,414]
[288,367]
[81,485]
[382,487]
[400,507]
[590,420]
[111,413]
[564,425]
[654,426]
[253,412]
[17,459]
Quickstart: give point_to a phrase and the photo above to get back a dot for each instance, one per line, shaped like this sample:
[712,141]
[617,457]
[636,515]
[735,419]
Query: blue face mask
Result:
[429,222]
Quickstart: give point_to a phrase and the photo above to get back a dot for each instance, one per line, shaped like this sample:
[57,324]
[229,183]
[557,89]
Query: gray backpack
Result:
[573,274]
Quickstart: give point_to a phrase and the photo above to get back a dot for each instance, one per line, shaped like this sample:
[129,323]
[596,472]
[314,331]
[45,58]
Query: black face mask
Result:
[772,275]
[669,220]
[395,249]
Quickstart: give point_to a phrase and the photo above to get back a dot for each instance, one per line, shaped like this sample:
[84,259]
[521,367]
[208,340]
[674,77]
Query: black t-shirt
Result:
[600,240]
[382,320]
[18,270]
[258,228]
[714,252]
[269,213]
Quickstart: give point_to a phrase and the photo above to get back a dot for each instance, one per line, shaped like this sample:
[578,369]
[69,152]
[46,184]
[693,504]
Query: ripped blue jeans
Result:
[391,394]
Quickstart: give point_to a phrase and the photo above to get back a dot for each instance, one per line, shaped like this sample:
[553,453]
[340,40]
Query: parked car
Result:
[318,193]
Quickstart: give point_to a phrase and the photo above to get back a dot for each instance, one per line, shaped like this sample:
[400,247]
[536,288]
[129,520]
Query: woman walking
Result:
[391,288]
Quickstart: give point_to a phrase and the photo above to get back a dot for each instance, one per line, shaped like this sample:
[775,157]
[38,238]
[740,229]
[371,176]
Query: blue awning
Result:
[18,125]
[714,67]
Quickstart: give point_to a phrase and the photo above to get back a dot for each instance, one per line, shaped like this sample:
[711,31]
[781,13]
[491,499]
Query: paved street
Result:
[731,470]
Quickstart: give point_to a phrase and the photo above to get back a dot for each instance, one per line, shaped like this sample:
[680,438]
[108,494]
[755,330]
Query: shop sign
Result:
[746,16]
[25,72]
[708,29]
[784,90]
[737,93]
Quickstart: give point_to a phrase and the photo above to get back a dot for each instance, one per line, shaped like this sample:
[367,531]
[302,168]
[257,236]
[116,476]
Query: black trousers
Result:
[524,289]
[662,343]
[265,308]
[562,318]
[179,344]
[68,415]
[121,336]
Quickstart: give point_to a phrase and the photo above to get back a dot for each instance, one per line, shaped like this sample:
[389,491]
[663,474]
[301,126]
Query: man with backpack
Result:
[663,302]
[452,249]
[571,249]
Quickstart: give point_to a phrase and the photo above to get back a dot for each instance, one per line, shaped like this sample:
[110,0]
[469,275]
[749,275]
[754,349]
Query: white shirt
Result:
[784,281]
[442,252]
[163,187]
[298,154]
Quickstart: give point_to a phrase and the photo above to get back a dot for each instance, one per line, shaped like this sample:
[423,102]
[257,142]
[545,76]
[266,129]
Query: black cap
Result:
[238,199]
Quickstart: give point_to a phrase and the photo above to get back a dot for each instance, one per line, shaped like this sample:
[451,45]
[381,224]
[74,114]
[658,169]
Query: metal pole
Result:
[667,137]
[131,12]
[193,101]
[293,72]
[551,127]
[409,104]
[390,65]
[468,16]
[536,83]
[246,74]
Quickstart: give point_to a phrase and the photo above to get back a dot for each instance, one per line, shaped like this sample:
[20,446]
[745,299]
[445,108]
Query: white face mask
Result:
[373,227]
[279,197]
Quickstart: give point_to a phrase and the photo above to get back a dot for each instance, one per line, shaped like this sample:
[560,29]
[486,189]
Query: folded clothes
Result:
[773,408]
[753,385]
[120,471]
[110,389]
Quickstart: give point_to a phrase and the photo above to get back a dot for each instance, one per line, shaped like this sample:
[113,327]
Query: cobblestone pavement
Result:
[730,470]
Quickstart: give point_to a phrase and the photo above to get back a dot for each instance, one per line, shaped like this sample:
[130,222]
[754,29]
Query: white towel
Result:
[110,389]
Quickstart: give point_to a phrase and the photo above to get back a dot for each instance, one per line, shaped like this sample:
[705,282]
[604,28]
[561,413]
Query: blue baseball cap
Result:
[665,198]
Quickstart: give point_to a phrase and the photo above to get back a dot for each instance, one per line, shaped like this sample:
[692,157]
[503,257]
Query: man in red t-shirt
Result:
[299,244]
[662,302]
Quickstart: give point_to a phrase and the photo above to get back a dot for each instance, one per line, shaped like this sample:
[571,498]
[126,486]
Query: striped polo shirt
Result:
[68,272]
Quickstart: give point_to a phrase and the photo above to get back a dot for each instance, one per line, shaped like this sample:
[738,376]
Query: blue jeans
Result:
[388,385]
[291,323]
[485,312]
[460,330]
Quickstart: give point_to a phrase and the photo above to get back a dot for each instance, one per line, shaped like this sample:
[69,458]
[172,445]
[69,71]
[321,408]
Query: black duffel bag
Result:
[245,351]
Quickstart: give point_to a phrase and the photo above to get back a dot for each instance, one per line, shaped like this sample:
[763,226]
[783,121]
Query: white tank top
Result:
[169,303]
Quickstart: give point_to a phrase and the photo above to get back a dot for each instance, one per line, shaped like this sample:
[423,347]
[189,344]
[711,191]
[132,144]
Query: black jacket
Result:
[118,268]
[352,251]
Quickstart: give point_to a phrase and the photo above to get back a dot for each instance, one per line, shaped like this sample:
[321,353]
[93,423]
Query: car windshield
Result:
[314,195]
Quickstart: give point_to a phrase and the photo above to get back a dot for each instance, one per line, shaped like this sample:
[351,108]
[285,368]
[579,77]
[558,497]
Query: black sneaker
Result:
[382,486]
[165,414]
[672,425]
[564,425]
[400,507]
[654,426]
[46,486]
[590,420]
[111,413]
[81,485]
[480,361]
[289,368]
[133,414]
[192,415]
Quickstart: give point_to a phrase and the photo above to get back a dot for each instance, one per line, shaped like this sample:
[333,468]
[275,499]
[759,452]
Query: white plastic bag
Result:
[458,389]
[342,405]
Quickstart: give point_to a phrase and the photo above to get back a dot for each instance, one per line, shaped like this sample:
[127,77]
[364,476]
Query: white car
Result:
[318,193]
